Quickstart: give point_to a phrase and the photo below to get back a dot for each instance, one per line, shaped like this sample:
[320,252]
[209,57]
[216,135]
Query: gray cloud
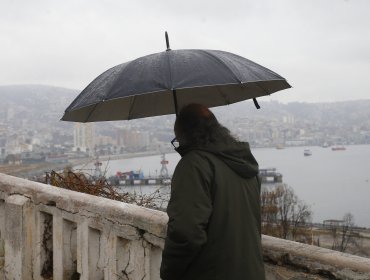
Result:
[321,47]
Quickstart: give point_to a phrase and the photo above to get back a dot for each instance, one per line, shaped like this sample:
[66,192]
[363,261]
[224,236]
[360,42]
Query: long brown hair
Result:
[197,125]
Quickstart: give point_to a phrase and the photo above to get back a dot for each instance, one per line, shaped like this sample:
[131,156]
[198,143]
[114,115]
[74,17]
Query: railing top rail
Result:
[149,220]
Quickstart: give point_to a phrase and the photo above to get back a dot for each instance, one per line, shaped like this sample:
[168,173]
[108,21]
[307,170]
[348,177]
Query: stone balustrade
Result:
[52,233]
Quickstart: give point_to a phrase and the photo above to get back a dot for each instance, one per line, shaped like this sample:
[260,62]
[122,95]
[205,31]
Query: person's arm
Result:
[189,211]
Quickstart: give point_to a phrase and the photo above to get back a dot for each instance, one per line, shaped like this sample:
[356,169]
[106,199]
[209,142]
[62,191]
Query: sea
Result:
[332,183]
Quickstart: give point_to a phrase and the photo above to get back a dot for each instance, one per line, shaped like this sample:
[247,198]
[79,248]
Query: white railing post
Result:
[19,220]
[155,259]
[69,249]
[37,252]
[82,250]
[111,270]
[2,233]
[57,247]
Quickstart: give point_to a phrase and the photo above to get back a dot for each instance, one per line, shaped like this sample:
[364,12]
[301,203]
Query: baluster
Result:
[18,238]
[82,250]
[57,246]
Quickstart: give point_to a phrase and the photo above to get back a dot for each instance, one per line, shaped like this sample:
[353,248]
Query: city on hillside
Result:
[31,130]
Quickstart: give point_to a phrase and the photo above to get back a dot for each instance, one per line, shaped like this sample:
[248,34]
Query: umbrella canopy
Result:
[158,84]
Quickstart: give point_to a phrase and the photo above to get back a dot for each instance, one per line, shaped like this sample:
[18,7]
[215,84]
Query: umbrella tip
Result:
[167,41]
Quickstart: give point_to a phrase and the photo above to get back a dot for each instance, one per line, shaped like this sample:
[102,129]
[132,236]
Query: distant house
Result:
[13,159]
[55,158]
[333,223]
[30,157]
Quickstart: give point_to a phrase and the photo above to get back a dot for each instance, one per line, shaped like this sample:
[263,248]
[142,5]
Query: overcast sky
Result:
[322,47]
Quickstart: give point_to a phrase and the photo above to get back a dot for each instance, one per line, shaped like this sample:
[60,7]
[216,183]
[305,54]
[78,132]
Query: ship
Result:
[338,148]
[138,178]
[325,145]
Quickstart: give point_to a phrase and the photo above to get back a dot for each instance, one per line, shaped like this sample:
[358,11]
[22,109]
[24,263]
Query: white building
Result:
[84,137]
[132,138]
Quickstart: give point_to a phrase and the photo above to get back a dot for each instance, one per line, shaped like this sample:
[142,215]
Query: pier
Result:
[140,182]
[270,176]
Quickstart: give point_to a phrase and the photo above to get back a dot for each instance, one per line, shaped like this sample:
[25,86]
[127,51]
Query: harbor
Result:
[314,178]
[138,177]
[342,176]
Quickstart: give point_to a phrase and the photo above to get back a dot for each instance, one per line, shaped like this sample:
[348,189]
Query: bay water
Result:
[331,182]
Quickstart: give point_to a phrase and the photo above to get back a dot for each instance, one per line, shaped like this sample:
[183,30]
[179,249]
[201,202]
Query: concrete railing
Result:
[52,233]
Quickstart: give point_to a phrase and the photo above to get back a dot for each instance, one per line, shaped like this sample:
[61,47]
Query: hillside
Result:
[36,97]
[47,104]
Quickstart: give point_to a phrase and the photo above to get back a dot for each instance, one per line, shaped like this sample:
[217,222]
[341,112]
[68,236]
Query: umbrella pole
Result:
[174,90]
[175,102]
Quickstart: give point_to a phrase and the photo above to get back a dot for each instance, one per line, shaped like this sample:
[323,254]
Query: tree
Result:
[346,231]
[283,213]
[301,216]
[269,213]
[286,199]
[342,233]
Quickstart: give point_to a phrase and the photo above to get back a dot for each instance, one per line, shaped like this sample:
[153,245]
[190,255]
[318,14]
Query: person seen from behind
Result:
[214,227]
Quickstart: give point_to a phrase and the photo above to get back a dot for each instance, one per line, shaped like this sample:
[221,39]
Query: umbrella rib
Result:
[131,106]
[224,96]
[263,89]
[119,74]
[228,68]
[223,63]
[92,111]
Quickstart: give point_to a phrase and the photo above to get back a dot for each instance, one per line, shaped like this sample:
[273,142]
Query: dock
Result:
[270,176]
[140,182]
[267,175]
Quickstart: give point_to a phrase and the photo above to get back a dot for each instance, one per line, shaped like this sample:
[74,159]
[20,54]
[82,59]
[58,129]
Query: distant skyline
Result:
[321,47]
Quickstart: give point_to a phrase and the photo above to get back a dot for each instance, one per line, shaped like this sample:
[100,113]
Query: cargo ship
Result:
[338,148]
[137,177]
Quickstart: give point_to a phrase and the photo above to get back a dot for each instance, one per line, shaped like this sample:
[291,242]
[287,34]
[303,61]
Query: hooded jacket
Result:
[214,227]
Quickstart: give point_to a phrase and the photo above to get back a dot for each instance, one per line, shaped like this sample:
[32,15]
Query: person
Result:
[214,226]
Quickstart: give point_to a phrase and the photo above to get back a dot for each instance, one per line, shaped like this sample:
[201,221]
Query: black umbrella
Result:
[159,84]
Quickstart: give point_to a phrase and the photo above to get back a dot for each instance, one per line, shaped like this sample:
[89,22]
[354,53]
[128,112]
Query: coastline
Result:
[133,155]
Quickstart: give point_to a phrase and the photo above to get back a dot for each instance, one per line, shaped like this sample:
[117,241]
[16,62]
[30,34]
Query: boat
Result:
[338,148]
[307,153]
[279,146]
[325,145]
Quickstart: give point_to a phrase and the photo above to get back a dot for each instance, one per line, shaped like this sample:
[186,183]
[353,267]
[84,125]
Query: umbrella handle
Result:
[167,41]
[256,103]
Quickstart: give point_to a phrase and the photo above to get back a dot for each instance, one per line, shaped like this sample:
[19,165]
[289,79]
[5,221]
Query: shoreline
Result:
[35,169]
[133,155]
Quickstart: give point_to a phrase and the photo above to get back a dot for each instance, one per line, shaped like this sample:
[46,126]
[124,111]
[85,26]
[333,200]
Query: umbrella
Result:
[161,83]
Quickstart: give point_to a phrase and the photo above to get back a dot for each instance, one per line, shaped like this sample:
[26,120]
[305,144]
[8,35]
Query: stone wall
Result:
[52,233]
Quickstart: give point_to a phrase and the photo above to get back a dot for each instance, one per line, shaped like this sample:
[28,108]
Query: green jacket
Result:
[214,227]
